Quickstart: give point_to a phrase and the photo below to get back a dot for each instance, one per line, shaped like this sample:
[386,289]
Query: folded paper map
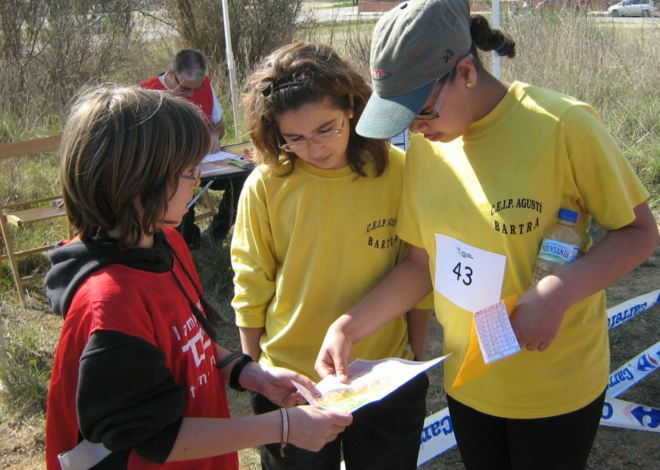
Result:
[368,381]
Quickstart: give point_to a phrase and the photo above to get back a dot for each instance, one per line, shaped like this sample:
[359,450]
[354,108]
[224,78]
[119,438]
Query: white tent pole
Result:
[231,68]
[497,70]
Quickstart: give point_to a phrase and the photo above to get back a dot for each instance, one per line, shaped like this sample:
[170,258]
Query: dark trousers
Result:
[228,207]
[384,435]
[189,230]
[561,442]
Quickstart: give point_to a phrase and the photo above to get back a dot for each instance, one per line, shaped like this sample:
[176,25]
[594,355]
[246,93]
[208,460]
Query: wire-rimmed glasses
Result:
[322,138]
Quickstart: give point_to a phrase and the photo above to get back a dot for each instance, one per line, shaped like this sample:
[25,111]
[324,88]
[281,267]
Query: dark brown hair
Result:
[298,74]
[487,39]
[124,146]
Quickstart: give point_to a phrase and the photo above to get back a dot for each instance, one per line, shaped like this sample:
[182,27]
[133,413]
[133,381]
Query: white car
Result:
[634,8]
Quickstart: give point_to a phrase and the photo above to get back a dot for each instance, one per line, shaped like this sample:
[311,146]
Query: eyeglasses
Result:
[184,89]
[435,111]
[322,138]
[196,175]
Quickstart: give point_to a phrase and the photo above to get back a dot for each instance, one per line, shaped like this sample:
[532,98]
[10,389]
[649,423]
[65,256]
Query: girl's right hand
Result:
[335,352]
[311,427]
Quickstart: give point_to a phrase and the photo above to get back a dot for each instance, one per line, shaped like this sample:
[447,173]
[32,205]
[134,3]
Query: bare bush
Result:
[357,44]
[257,27]
[50,48]
[352,38]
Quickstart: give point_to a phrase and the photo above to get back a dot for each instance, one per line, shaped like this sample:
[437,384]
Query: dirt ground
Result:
[21,442]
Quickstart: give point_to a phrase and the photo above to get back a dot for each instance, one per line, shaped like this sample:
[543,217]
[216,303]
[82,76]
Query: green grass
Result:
[26,372]
[27,348]
[336,5]
[26,178]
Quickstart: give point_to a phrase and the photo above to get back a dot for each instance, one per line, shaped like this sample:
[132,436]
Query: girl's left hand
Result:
[539,314]
[275,384]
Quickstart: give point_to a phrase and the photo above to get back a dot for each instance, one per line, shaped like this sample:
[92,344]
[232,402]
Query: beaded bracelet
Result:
[236,372]
[285,430]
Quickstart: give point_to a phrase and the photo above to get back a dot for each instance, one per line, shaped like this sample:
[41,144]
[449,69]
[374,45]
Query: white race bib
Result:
[470,277]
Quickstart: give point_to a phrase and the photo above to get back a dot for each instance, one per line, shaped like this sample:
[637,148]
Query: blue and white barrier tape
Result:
[631,308]
[623,414]
[437,436]
[635,370]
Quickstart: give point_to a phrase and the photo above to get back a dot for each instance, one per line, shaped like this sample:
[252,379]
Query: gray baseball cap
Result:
[414,44]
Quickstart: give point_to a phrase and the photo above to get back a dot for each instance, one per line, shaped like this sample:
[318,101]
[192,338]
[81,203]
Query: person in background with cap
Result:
[487,170]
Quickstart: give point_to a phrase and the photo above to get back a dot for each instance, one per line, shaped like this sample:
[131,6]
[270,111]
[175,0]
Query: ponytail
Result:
[488,39]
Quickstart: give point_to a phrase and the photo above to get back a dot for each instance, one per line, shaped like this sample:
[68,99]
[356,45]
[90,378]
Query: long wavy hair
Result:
[298,74]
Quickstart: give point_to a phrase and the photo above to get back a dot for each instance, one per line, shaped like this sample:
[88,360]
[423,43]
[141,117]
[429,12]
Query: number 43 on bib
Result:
[468,276]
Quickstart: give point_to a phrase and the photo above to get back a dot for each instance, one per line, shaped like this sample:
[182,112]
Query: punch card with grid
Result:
[496,337]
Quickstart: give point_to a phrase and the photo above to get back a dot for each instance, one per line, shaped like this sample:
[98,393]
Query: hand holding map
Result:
[369,381]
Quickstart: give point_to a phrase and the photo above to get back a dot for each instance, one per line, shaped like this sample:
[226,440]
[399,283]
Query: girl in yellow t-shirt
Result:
[315,231]
[487,171]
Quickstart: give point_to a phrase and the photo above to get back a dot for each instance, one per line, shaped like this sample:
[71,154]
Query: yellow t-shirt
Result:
[306,248]
[499,189]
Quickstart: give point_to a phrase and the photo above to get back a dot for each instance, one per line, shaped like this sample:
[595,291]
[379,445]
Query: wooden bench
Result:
[21,213]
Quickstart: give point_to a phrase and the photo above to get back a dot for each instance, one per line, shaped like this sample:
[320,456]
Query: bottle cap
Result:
[568,215]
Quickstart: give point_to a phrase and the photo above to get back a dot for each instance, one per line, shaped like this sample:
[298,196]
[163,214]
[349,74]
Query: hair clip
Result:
[288,84]
[501,47]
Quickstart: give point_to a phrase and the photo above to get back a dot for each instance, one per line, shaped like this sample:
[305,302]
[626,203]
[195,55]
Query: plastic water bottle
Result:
[560,247]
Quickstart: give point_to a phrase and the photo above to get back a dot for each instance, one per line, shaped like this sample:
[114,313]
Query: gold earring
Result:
[469,85]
